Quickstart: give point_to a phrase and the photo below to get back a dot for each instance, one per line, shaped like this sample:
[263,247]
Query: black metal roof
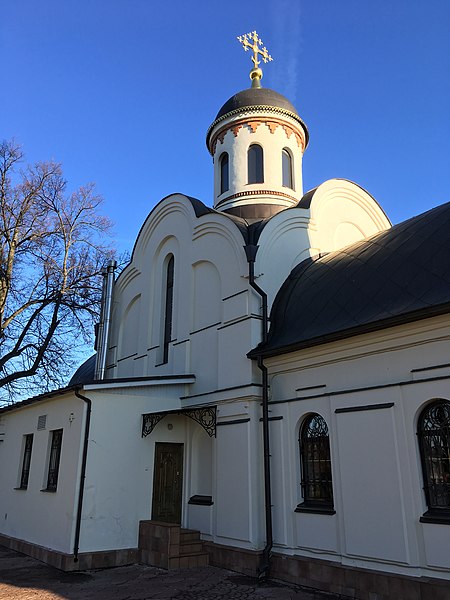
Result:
[85,372]
[256,97]
[396,276]
[254,100]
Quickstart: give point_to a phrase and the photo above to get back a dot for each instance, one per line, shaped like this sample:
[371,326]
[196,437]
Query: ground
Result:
[23,578]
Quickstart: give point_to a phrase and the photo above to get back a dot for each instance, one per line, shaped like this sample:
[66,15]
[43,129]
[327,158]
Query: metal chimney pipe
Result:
[105,319]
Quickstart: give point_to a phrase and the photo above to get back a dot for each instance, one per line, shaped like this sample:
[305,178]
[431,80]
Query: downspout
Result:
[264,568]
[105,318]
[76,544]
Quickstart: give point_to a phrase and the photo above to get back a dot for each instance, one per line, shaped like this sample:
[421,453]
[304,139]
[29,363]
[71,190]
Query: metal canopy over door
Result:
[167,482]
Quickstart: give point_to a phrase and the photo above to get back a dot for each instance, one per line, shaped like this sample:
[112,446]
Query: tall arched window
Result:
[286,162]
[434,441]
[255,164]
[224,173]
[316,482]
[168,309]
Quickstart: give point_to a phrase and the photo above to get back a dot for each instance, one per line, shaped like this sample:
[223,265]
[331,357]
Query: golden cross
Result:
[257,41]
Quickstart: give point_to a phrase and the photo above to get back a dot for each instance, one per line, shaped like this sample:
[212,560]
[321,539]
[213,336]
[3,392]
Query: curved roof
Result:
[256,97]
[396,276]
[85,372]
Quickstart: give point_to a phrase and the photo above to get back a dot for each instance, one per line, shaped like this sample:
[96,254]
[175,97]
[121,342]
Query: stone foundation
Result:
[327,576]
[66,562]
[234,559]
[361,584]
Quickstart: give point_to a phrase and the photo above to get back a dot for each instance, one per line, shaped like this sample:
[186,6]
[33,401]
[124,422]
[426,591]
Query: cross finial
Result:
[251,41]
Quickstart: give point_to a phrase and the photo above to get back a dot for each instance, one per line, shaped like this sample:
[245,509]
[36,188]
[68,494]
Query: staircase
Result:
[168,546]
[191,553]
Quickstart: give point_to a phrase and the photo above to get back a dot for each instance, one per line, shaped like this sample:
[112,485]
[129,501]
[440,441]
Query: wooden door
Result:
[167,482]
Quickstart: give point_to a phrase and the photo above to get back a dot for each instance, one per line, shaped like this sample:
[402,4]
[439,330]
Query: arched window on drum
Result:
[255,164]
[224,163]
[287,169]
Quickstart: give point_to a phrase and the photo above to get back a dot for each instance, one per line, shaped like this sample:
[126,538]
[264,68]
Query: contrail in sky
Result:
[285,44]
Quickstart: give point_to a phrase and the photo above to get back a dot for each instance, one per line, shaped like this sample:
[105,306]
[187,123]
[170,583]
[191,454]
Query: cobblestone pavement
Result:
[23,578]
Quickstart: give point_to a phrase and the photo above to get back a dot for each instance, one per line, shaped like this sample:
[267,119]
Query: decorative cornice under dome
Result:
[256,109]
[254,123]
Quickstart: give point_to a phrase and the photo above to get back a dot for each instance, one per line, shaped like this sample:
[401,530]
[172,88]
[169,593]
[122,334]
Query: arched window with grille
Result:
[315,460]
[168,309]
[224,173]
[434,442]
[255,164]
[287,171]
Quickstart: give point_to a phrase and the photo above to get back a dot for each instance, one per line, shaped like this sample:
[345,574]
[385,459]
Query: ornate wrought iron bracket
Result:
[205,417]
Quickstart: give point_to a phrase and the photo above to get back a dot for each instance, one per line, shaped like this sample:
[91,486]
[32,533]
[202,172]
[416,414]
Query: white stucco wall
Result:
[34,515]
[215,314]
[377,477]
[119,476]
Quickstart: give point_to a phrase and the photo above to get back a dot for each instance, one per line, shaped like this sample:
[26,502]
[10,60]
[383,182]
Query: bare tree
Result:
[52,249]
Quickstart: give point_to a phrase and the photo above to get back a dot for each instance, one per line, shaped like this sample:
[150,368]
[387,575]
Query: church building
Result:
[270,391]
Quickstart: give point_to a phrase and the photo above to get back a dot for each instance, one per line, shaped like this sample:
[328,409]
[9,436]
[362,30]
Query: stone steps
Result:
[191,552]
[169,546]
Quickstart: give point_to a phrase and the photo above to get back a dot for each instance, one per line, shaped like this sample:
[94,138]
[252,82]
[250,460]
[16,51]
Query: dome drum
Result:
[257,142]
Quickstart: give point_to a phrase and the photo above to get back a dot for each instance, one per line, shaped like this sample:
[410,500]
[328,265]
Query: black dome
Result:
[252,99]
[85,372]
[256,97]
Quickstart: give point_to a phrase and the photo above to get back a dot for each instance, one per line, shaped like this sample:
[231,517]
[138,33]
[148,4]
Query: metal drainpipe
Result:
[264,569]
[105,319]
[83,472]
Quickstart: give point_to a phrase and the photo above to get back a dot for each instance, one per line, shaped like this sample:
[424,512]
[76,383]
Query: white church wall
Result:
[431,538]
[238,475]
[129,329]
[371,486]
[120,464]
[376,467]
[283,239]
[54,527]
[207,296]
[201,457]
[386,356]
[210,292]
[204,359]
[342,213]
[310,532]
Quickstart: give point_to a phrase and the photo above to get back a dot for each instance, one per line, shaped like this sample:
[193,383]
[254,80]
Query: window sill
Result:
[49,491]
[436,516]
[21,488]
[201,500]
[318,510]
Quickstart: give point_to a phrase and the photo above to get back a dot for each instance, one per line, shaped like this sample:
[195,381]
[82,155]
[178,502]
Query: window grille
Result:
[224,173]
[168,309]
[434,442]
[316,484]
[55,455]
[42,422]
[28,446]
[255,164]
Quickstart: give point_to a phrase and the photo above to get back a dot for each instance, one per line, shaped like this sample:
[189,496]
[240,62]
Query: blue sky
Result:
[123,91]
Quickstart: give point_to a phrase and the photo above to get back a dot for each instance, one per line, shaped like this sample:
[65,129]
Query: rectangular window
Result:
[28,446]
[53,463]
